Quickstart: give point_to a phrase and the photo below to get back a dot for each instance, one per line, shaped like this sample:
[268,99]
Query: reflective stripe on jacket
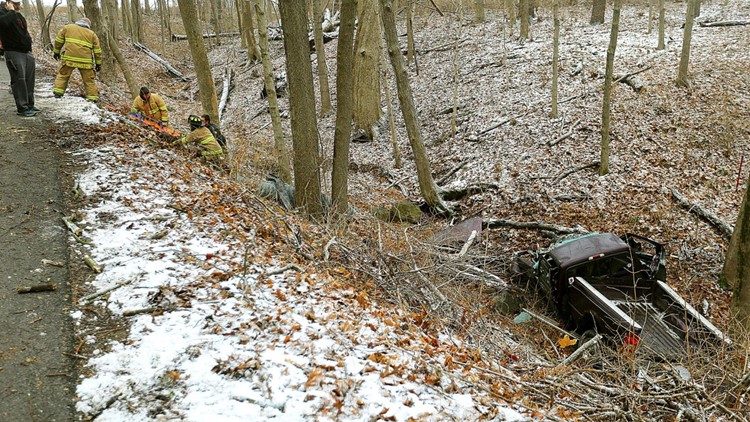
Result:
[82,47]
[155,108]
[205,140]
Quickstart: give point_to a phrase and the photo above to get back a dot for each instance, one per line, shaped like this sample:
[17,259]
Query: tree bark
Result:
[606,111]
[682,72]
[302,107]
[215,19]
[427,185]
[479,5]
[72,10]
[99,26]
[253,53]
[736,270]
[135,10]
[366,85]
[207,90]
[555,55]
[320,52]
[660,45]
[598,11]
[127,20]
[285,172]
[524,16]
[343,130]
[411,54]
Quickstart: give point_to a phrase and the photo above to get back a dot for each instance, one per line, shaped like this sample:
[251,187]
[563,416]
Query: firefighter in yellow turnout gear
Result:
[151,106]
[210,149]
[83,52]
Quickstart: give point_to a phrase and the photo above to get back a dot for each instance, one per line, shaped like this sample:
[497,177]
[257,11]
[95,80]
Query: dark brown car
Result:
[616,286]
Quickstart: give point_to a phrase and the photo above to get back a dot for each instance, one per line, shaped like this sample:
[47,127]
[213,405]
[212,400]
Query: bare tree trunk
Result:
[650,16]
[282,156]
[606,111]
[124,67]
[660,45]
[146,7]
[555,55]
[40,13]
[344,96]
[320,53]
[682,72]
[206,88]
[253,54]
[111,18]
[598,11]
[411,54]
[510,10]
[366,85]
[135,10]
[302,107]
[72,10]
[479,5]
[240,24]
[524,16]
[736,271]
[127,21]
[215,19]
[427,185]
[99,26]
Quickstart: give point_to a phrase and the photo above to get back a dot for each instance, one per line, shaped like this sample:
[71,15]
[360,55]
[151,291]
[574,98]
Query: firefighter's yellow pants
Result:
[88,76]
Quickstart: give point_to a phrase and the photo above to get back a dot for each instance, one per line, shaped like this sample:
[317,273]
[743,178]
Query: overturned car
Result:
[615,286]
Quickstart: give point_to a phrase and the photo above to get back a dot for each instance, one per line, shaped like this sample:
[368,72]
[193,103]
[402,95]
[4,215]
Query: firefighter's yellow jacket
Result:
[82,47]
[205,140]
[154,108]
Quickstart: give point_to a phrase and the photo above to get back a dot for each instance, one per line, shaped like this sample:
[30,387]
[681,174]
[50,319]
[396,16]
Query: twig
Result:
[565,136]
[133,312]
[92,264]
[468,243]
[326,254]
[577,354]
[72,226]
[100,293]
[723,227]
[550,323]
[46,287]
[283,270]
[500,222]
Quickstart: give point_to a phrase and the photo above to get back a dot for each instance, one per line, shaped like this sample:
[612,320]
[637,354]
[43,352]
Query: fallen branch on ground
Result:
[723,23]
[710,217]
[452,171]
[494,223]
[565,136]
[100,293]
[159,60]
[577,354]
[46,287]
[456,194]
[283,270]
[574,170]
[92,264]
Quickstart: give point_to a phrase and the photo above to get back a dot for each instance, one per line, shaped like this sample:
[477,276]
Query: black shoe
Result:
[27,113]
[35,110]
[58,95]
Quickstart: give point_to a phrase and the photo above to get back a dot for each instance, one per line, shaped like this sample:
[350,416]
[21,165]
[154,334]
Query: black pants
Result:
[22,69]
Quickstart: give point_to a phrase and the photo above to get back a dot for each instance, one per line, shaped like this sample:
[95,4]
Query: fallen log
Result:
[45,287]
[159,60]
[456,194]
[181,37]
[710,217]
[494,223]
[226,86]
[723,23]
[133,312]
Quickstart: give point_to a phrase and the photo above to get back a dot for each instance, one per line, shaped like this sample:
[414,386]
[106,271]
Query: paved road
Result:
[37,378]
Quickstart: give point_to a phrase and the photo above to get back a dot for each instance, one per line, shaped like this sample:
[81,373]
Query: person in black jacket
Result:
[14,34]
[215,131]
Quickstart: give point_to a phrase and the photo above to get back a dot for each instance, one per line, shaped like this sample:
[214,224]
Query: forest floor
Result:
[664,139]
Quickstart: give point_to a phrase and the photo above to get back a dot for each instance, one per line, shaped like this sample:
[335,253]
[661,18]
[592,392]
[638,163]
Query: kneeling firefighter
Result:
[199,134]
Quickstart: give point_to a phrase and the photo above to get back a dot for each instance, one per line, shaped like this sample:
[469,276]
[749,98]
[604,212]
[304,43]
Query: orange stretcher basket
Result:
[164,132]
